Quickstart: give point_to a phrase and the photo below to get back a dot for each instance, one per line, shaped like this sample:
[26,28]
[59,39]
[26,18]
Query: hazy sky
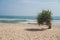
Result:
[28,7]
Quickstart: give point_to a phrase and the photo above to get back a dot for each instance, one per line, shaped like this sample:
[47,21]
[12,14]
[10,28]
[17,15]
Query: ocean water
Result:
[25,19]
[17,19]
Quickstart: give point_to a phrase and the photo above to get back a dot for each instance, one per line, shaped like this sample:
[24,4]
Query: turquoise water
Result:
[25,19]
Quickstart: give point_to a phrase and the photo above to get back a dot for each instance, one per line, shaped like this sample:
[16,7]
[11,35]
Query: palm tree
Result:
[44,17]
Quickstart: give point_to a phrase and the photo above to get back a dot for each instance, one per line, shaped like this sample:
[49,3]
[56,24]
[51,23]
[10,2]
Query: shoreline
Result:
[30,23]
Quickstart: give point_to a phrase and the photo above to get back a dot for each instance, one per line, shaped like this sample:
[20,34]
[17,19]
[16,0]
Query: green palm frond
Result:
[44,16]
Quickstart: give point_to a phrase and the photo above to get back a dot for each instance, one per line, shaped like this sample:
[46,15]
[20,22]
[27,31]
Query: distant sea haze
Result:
[25,19]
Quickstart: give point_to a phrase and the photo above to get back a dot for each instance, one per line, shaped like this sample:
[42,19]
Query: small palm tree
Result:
[44,17]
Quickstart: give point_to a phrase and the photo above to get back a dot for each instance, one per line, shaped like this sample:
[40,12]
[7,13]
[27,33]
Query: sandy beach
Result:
[10,31]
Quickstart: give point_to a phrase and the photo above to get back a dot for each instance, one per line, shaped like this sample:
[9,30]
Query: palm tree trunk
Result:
[49,26]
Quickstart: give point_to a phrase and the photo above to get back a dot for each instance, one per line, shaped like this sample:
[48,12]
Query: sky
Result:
[28,7]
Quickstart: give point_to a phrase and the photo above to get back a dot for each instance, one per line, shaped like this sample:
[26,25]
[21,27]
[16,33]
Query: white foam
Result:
[10,19]
[19,20]
[27,21]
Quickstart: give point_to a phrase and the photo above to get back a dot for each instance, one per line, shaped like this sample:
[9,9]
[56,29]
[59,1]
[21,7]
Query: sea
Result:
[26,19]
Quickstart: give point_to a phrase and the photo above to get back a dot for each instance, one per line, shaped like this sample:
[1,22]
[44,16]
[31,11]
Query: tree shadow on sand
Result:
[36,29]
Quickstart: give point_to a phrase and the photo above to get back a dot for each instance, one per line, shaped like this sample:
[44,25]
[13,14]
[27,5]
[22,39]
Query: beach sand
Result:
[10,31]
